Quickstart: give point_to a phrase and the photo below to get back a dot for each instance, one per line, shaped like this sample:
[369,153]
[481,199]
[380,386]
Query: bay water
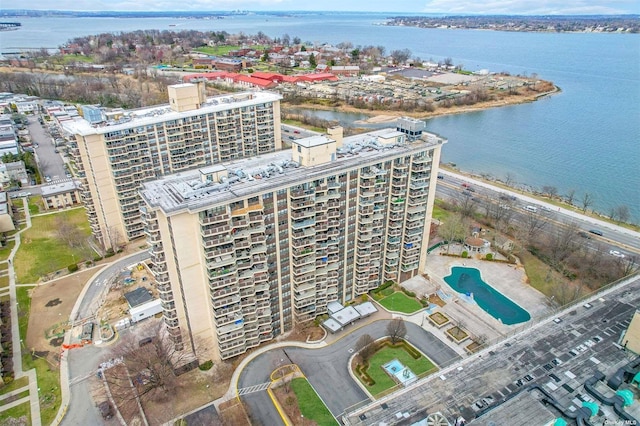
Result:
[585,138]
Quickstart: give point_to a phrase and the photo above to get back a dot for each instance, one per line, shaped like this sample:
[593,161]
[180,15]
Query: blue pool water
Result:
[468,281]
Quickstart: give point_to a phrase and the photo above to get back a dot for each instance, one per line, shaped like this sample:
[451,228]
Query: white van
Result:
[531,209]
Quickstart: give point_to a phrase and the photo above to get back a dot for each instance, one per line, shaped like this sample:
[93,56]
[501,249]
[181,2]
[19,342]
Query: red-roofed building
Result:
[246,81]
[319,76]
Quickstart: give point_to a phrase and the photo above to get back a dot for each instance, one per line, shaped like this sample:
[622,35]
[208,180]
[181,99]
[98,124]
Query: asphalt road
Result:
[83,362]
[90,302]
[327,369]
[613,238]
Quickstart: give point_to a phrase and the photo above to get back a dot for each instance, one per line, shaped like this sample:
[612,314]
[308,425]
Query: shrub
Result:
[87,263]
[465,254]
[73,267]
[408,292]
[206,365]
[97,258]
[424,301]
[489,256]
[365,297]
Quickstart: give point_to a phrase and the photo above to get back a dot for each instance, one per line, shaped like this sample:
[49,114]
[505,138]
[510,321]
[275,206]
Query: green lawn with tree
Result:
[382,380]
[53,242]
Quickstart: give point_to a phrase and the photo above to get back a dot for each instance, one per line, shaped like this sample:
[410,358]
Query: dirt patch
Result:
[51,305]
[289,403]
[233,413]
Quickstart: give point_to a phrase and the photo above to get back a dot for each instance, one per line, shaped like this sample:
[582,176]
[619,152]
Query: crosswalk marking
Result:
[255,388]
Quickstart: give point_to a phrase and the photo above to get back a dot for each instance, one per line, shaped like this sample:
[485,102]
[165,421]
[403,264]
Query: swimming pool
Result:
[468,281]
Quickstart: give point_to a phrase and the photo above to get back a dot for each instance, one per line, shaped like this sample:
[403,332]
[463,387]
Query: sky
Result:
[502,7]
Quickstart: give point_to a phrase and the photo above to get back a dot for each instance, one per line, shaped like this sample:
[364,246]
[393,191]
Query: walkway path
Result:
[33,398]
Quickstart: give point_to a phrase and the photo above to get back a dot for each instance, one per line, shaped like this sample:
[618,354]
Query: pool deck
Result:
[510,280]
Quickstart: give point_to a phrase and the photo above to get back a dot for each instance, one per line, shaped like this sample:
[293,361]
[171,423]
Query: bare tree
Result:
[550,191]
[148,367]
[453,228]
[365,347]
[622,213]
[532,224]
[396,330]
[587,201]
[570,197]
[562,243]
[113,238]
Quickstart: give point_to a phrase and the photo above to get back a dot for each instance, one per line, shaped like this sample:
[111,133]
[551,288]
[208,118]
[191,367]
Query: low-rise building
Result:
[61,195]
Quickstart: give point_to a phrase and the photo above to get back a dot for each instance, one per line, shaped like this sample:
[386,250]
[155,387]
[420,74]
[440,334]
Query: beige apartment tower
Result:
[115,157]
[244,250]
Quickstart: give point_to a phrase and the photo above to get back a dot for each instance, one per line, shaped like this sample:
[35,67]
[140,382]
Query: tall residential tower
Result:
[114,157]
[244,250]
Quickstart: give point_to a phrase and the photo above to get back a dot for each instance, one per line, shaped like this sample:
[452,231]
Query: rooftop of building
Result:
[161,113]
[270,172]
[59,188]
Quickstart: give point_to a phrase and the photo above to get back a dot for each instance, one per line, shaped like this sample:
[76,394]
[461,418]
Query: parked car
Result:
[616,253]
[596,232]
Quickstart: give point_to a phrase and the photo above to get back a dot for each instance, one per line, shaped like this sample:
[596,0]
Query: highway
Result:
[613,237]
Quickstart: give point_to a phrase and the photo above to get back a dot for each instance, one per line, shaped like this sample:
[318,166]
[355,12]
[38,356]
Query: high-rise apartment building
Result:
[115,157]
[244,250]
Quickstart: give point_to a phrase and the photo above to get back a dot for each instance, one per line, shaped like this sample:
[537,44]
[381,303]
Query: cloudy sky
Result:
[529,7]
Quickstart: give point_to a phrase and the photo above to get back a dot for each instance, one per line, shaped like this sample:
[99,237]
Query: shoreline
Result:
[387,116]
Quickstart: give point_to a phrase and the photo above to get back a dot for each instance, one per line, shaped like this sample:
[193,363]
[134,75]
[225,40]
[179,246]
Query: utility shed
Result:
[145,310]
[137,297]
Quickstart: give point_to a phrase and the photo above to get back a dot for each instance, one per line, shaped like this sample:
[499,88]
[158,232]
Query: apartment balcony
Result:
[227,301]
[221,261]
[302,194]
[228,319]
[300,262]
[224,292]
[407,267]
[221,272]
[261,277]
[225,229]
[230,336]
[302,213]
[415,224]
[303,224]
[301,279]
[394,232]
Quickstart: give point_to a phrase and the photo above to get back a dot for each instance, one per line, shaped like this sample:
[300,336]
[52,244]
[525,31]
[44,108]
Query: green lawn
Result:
[438,212]
[35,205]
[22,410]
[77,58]
[382,380]
[16,384]
[42,252]
[400,302]
[6,250]
[310,404]
[537,271]
[49,385]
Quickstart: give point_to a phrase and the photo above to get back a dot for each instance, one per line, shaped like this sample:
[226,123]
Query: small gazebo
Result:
[476,245]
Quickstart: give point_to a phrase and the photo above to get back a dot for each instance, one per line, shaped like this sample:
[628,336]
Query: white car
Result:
[616,253]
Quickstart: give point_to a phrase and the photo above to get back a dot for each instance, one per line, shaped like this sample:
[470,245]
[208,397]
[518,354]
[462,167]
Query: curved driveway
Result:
[326,369]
